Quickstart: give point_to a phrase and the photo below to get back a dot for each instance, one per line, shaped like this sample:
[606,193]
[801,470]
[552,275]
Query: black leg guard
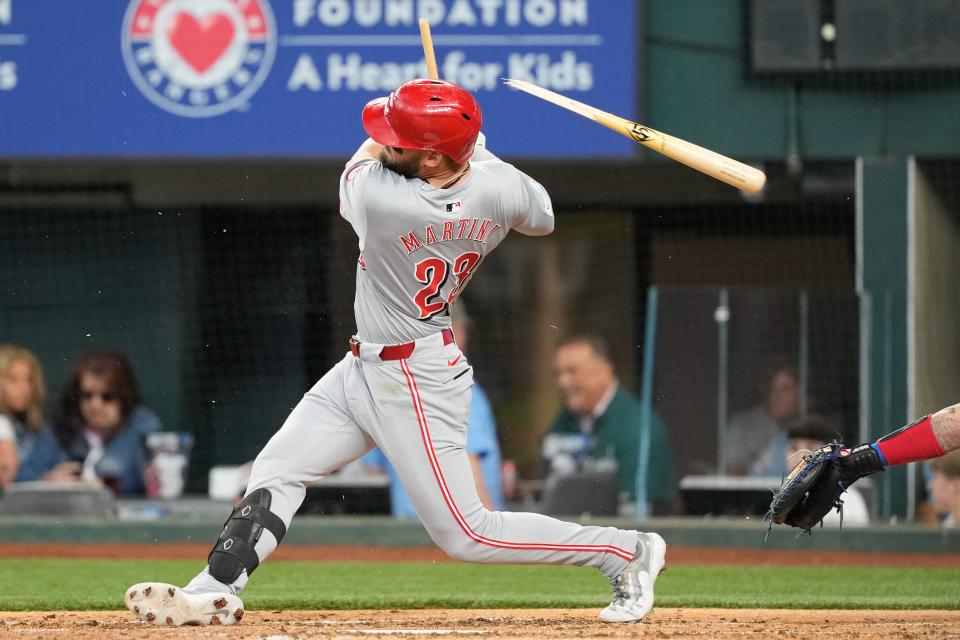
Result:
[234,551]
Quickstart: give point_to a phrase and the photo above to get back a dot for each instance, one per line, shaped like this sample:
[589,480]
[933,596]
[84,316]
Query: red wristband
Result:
[913,442]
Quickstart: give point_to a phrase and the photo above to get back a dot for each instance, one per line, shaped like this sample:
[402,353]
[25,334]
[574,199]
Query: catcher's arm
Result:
[816,484]
[946,427]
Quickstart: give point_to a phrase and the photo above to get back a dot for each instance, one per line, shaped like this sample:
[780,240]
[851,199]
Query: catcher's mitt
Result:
[811,490]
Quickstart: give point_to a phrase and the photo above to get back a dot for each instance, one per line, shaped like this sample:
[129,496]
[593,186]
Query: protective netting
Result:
[223,313]
[229,315]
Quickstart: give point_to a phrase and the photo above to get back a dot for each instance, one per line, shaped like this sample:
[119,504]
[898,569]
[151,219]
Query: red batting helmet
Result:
[432,115]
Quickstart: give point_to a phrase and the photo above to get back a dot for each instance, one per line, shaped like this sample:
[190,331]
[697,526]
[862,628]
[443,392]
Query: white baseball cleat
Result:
[167,605]
[633,588]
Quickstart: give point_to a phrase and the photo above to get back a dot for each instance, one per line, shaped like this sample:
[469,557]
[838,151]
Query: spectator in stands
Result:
[102,424]
[755,437]
[28,448]
[482,446]
[807,434]
[944,487]
[599,427]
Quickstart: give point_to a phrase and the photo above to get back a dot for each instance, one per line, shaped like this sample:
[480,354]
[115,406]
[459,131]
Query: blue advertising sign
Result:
[219,78]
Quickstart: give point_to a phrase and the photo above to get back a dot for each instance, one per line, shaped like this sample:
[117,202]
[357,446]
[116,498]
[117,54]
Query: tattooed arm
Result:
[946,427]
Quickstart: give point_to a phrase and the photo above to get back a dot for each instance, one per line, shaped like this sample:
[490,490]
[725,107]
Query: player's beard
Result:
[407,165]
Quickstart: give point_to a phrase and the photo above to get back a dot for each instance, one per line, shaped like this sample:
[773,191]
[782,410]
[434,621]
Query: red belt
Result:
[400,351]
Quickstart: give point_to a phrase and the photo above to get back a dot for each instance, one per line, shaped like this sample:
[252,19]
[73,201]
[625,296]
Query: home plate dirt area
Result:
[500,623]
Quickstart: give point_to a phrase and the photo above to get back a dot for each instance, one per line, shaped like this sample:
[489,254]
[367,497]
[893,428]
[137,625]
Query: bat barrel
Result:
[713,164]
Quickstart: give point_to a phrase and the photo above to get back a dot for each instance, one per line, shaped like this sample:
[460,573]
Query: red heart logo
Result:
[201,42]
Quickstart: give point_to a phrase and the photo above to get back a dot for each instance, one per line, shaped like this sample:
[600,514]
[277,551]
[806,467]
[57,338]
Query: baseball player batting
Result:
[427,203]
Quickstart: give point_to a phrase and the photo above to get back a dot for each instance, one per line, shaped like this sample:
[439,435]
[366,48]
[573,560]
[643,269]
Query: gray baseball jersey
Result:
[420,245]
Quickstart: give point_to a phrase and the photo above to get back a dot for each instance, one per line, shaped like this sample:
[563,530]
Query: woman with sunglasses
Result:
[102,424]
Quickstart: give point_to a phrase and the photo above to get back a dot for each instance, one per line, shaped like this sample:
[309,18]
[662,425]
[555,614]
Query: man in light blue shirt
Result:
[482,446]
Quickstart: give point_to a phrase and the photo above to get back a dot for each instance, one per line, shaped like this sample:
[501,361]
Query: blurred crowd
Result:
[98,429]
[96,433]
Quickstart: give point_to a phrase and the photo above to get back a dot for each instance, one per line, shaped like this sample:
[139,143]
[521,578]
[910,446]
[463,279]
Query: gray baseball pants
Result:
[416,410]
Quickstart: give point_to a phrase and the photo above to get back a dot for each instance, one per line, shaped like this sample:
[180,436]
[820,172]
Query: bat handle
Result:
[427,41]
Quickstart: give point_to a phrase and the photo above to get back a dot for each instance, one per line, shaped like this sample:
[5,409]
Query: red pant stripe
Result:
[451,504]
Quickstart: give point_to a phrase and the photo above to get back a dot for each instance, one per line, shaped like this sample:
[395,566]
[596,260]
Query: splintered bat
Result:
[713,164]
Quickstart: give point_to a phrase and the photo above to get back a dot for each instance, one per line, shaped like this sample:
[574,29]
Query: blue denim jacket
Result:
[124,457]
[37,452]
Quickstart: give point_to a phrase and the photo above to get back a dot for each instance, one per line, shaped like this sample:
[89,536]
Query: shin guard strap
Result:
[235,550]
[230,557]
[263,516]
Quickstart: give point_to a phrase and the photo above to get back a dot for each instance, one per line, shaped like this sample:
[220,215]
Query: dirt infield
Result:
[495,623]
[676,555]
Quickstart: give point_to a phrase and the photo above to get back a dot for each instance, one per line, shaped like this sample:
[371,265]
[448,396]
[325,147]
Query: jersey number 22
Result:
[433,272]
